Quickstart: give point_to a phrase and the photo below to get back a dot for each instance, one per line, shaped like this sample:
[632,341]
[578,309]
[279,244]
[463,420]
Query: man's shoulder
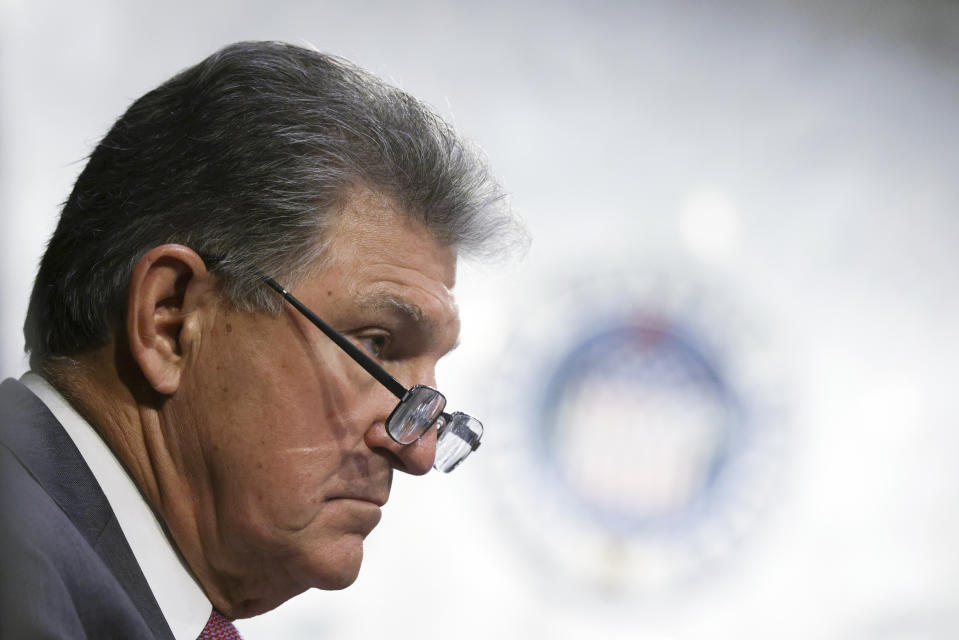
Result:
[39,559]
[62,568]
[42,456]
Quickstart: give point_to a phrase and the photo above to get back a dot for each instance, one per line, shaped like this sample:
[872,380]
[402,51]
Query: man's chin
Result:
[342,583]
[322,577]
[337,568]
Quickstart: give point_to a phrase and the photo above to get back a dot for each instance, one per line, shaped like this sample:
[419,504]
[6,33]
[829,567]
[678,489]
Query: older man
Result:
[233,335]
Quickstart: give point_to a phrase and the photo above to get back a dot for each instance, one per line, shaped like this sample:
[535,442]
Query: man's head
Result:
[244,156]
[260,443]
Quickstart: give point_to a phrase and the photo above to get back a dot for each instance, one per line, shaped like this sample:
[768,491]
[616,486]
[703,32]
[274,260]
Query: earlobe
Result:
[168,288]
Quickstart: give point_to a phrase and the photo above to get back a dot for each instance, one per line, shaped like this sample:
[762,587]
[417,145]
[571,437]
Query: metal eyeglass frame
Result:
[447,424]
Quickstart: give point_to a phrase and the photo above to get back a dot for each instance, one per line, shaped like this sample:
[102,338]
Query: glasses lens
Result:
[415,414]
[459,435]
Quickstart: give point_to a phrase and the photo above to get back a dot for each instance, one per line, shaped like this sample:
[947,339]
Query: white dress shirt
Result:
[184,605]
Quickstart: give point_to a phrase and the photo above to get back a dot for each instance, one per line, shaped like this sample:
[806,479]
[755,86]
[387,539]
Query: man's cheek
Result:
[275,503]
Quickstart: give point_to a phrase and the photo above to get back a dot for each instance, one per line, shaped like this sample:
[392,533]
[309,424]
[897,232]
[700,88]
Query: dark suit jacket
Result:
[66,571]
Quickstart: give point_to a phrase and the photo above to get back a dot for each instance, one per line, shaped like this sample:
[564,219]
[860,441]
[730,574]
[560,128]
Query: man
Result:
[254,267]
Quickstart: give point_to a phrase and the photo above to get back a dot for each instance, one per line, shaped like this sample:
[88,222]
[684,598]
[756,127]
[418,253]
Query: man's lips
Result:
[375,500]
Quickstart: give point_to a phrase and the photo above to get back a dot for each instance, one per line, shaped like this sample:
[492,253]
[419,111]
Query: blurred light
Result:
[709,223]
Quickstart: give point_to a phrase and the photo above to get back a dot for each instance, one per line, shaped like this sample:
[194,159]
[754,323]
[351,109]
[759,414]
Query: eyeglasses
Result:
[420,407]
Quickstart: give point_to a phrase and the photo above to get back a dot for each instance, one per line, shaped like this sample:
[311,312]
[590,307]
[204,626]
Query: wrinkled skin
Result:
[270,456]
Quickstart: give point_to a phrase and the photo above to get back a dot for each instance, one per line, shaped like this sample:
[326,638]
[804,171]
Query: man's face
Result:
[284,434]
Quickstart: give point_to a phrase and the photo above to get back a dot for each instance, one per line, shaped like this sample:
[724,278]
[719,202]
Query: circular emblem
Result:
[639,433]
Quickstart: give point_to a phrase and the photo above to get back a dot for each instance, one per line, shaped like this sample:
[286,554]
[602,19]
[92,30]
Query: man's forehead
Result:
[371,227]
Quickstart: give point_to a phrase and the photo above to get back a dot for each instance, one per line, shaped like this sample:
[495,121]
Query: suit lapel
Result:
[41,444]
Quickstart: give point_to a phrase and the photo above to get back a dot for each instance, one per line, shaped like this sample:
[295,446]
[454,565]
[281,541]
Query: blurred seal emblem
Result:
[645,426]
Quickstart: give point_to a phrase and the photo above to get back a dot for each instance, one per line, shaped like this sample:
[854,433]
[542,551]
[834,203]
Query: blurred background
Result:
[719,391]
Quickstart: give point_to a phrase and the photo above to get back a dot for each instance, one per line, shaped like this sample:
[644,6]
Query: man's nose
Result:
[416,458]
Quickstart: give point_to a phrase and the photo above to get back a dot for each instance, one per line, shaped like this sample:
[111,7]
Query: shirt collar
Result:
[182,601]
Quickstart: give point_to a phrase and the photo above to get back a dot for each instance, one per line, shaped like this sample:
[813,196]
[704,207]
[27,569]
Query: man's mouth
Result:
[372,499]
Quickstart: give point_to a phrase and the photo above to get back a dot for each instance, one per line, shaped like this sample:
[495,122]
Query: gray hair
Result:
[243,157]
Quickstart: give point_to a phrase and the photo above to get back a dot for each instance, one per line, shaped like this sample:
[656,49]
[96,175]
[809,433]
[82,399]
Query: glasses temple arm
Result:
[342,342]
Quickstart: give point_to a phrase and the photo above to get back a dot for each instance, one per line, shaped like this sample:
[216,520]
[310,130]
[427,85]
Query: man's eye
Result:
[375,345]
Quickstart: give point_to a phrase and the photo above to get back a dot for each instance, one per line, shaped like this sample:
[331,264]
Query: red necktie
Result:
[219,628]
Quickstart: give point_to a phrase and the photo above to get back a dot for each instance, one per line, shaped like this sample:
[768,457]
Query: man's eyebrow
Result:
[385,302]
[409,311]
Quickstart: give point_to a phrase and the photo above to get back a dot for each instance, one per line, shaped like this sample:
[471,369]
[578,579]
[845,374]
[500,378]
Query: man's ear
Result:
[168,288]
